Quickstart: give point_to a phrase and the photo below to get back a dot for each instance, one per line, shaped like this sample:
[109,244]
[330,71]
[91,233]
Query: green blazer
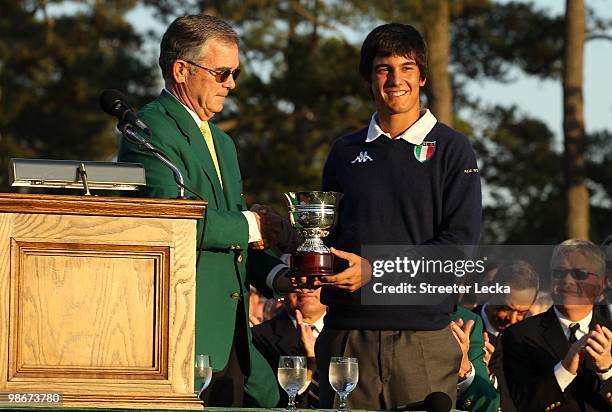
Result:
[481,396]
[226,267]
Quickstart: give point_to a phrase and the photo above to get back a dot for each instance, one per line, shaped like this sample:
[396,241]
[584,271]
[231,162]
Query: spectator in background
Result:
[475,392]
[561,359]
[293,332]
[499,312]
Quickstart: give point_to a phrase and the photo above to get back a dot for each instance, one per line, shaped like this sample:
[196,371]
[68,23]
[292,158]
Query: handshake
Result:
[275,230]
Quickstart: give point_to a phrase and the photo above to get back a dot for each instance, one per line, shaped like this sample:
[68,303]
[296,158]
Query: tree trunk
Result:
[436,23]
[577,194]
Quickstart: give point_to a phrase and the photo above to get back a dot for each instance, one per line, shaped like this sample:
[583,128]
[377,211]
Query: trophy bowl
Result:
[313,213]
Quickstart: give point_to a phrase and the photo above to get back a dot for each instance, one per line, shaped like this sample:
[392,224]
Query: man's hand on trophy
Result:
[270,226]
[358,273]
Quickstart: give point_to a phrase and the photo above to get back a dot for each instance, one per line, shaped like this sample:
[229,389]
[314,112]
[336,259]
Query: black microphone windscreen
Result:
[112,102]
[438,402]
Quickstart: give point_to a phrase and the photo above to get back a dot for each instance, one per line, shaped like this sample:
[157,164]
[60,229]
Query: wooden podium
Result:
[97,299]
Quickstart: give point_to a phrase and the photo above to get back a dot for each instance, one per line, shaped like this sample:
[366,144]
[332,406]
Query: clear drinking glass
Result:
[292,377]
[343,377]
[203,371]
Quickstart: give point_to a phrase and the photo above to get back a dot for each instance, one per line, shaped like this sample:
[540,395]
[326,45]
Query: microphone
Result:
[115,103]
[434,402]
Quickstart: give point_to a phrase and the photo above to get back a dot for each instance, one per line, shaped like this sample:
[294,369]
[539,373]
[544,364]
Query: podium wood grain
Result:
[101,308]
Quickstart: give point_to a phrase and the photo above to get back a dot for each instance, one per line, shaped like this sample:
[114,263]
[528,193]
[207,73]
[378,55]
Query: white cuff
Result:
[254,234]
[463,385]
[564,377]
[605,376]
[272,274]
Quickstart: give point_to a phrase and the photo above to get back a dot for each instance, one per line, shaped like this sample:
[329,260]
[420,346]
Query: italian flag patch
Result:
[424,151]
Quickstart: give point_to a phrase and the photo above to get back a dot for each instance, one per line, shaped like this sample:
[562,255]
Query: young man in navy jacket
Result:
[407,180]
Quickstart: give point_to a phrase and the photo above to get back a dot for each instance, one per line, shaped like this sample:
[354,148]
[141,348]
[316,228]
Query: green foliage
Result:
[299,91]
[52,69]
[489,39]
[523,178]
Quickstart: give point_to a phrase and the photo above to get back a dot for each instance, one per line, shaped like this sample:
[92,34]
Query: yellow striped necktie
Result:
[205,129]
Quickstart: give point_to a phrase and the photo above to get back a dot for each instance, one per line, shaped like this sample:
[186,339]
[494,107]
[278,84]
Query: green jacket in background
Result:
[226,267]
[481,396]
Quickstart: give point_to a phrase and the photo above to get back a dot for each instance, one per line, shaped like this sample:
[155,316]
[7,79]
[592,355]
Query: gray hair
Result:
[586,248]
[187,35]
[519,275]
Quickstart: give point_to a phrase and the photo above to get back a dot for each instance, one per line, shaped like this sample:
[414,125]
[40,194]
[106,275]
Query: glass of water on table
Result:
[292,377]
[343,377]
[203,371]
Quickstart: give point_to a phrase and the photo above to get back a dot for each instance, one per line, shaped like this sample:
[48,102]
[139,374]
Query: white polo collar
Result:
[415,134]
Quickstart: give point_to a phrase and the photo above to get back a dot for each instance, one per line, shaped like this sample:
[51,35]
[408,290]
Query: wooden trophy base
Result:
[311,264]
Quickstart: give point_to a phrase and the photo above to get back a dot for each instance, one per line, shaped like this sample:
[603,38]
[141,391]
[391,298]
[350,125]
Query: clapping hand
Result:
[461,332]
[597,347]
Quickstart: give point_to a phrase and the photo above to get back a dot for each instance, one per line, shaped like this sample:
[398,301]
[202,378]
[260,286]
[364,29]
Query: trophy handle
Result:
[290,198]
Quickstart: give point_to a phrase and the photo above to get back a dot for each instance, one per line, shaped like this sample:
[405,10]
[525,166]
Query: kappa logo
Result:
[363,157]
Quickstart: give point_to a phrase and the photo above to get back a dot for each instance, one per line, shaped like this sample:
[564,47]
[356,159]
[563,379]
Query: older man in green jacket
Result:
[199,62]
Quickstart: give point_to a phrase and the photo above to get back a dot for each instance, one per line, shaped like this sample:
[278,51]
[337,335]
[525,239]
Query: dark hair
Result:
[389,40]
[518,275]
[187,35]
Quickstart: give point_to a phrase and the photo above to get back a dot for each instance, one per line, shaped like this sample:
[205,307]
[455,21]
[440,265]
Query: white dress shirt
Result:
[563,376]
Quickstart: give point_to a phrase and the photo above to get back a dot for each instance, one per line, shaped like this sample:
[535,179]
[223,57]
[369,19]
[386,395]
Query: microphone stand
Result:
[127,130]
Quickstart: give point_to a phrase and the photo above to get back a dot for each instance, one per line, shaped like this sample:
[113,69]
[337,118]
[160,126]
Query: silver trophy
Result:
[313,214]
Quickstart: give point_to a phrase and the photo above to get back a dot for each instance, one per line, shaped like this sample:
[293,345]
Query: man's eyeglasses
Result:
[220,76]
[578,274]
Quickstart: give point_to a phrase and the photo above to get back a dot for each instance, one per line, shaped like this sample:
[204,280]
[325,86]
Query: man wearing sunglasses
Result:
[199,63]
[561,359]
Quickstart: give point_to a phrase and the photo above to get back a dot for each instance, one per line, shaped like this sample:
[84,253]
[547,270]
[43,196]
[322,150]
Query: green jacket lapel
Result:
[229,169]
[192,133]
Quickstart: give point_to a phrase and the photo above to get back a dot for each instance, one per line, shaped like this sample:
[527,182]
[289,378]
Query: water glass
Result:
[292,377]
[203,371]
[343,377]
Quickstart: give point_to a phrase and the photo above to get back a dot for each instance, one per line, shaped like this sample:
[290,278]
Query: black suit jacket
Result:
[531,349]
[278,337]
[602,310]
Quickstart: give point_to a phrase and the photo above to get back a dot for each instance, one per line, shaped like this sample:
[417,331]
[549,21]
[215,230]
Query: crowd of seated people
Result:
[530,350]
